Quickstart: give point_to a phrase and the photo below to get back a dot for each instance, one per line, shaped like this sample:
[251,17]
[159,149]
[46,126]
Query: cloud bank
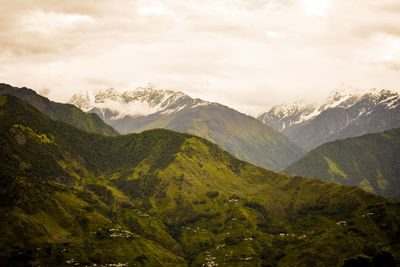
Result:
[245,53]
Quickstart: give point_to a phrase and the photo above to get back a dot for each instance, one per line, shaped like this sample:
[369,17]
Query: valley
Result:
[166,198]
[245,133]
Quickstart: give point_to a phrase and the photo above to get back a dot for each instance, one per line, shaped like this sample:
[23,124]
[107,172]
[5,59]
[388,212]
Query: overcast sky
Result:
[243,53]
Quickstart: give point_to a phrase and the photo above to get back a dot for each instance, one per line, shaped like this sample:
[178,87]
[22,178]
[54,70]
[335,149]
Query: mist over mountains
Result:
[148,108]
[345,113]
[215,162]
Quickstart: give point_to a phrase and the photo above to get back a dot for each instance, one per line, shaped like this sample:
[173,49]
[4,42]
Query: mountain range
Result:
[57,111]
[146,108]
[371,162]
[163,198]
[346,113]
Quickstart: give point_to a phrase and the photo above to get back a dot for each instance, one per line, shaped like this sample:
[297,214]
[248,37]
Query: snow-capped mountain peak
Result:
[345,113]
[287,114]
[298,112]
[139,102]
[108,94]
[285,110]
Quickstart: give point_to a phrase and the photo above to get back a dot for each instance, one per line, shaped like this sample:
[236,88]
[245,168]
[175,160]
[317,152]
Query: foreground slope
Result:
[146,108]
[164,198]
[57,111]
[371,162]
[344,114]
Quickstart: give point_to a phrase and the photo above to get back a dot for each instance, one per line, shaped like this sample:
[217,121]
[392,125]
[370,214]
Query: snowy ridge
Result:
[138,102]
[288,114]
[283,116]
[345,113]
[285,110]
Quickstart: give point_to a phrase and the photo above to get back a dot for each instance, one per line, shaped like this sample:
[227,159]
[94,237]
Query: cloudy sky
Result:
[244,53]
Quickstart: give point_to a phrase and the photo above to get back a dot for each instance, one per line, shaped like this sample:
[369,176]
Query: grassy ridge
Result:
[165,198]
[243,136]
[62,112]
[371,162]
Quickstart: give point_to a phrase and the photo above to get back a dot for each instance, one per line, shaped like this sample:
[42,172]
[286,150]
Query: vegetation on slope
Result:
[371,162]
[62,112]
[162,198]
[243,136]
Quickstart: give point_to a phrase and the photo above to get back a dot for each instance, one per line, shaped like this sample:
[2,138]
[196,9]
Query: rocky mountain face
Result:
[58,111]
[371,162]
[344,114]
[162,198]
[147,108]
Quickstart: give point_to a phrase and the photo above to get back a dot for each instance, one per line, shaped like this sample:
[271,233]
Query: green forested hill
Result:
[243,136]
[145,109]
[371,162]
[162,198]
[62,112]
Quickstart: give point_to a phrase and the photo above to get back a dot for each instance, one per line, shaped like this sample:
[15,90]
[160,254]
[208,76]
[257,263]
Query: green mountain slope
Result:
[371,162]
[162,198]
[243,136]
[62,112]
